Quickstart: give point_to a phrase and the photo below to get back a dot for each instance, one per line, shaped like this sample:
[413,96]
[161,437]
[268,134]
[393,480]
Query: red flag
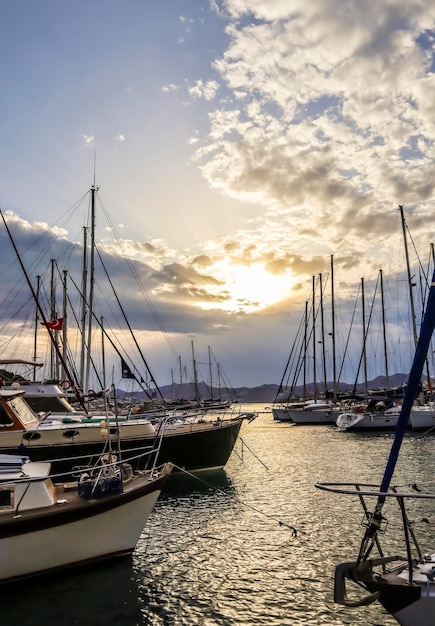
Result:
[55,324]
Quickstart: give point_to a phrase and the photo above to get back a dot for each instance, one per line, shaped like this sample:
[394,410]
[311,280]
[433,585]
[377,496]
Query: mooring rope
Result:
[294,530]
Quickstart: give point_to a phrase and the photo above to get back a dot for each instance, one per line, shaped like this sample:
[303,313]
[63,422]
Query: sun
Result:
[249,288]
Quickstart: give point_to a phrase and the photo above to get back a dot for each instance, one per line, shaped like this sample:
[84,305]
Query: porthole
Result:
[31,436]
[70,434]
[113,431]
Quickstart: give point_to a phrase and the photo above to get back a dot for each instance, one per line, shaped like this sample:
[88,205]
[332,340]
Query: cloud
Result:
[170,88]
[325,100]
[206,90]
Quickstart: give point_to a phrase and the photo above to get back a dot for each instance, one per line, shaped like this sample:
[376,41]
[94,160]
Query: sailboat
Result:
[201,444]
[403,584]
[308,410]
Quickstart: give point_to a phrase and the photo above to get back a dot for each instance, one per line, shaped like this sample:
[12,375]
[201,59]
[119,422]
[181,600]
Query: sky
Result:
[237,146]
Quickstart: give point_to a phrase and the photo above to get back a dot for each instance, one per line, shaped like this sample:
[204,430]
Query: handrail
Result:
[338,488]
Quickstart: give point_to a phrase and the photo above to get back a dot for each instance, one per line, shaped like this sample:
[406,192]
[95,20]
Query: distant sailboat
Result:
[317,409]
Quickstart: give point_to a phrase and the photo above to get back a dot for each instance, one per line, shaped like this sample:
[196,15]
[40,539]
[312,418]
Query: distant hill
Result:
[263,393]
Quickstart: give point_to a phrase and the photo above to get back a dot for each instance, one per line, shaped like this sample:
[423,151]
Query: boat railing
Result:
[361,570]
[370,490]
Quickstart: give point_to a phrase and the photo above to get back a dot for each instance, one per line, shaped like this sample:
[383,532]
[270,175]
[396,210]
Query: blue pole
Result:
[426,331]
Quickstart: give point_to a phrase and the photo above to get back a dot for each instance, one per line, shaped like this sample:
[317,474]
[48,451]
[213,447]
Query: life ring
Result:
[65,384]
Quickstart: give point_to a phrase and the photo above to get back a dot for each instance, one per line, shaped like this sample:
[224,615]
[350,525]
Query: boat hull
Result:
[422,418]
[192,447]
[75,532]
[305,416]
[409,604]
[359,422]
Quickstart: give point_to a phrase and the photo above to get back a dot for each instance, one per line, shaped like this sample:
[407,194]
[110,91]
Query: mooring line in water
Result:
[251,451]
[294,530]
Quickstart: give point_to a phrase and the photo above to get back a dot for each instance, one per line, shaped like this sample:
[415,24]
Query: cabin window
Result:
[113,431]
[27,416]
[5,420]
[31,435]
[43,404]
[6,498]
[70,434]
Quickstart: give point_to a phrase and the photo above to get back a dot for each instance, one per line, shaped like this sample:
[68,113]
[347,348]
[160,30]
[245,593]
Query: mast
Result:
[209,367]
[219,381]
[322,319]
[363,351]
[408,270]
[364,334]
[195,376]
[180,365]
[334,365]
[35,335]
[54,373]
[305,349]
[64,325]
[84,290]
[384,331]
[91,292]
[314,341]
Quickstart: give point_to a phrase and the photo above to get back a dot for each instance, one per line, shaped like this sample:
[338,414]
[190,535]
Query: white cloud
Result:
[329,121]
[169,88]
[206,90]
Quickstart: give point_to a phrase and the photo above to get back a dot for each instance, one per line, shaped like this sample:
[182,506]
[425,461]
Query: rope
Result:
[294,530]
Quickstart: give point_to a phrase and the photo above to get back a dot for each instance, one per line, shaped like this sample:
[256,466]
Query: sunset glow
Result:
[250,288]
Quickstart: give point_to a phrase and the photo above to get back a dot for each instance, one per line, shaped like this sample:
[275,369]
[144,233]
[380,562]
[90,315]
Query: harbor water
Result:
[253,544]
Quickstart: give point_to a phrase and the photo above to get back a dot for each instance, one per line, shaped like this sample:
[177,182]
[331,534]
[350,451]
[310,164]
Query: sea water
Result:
[253,544]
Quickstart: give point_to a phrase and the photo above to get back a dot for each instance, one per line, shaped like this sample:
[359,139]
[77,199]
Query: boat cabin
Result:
[15,413]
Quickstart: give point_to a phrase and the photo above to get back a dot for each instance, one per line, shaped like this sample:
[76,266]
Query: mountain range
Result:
[263,393]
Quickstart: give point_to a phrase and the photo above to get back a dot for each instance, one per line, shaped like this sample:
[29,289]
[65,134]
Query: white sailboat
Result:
[315,410]
[403,584]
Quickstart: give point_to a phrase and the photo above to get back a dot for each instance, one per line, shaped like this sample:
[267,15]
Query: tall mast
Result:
[384,330]
[334,365]
[54,365]
[84,306]
[209,367]
[35,335]
[195,376]
[322,317]
[64,325]
[219,380]
[305,350]
[364,334]
[408,270]
[314,340]
[91,292]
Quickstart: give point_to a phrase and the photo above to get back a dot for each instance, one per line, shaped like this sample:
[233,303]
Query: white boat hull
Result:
[422,418]
[367,421]
[74,531]
[307,415]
